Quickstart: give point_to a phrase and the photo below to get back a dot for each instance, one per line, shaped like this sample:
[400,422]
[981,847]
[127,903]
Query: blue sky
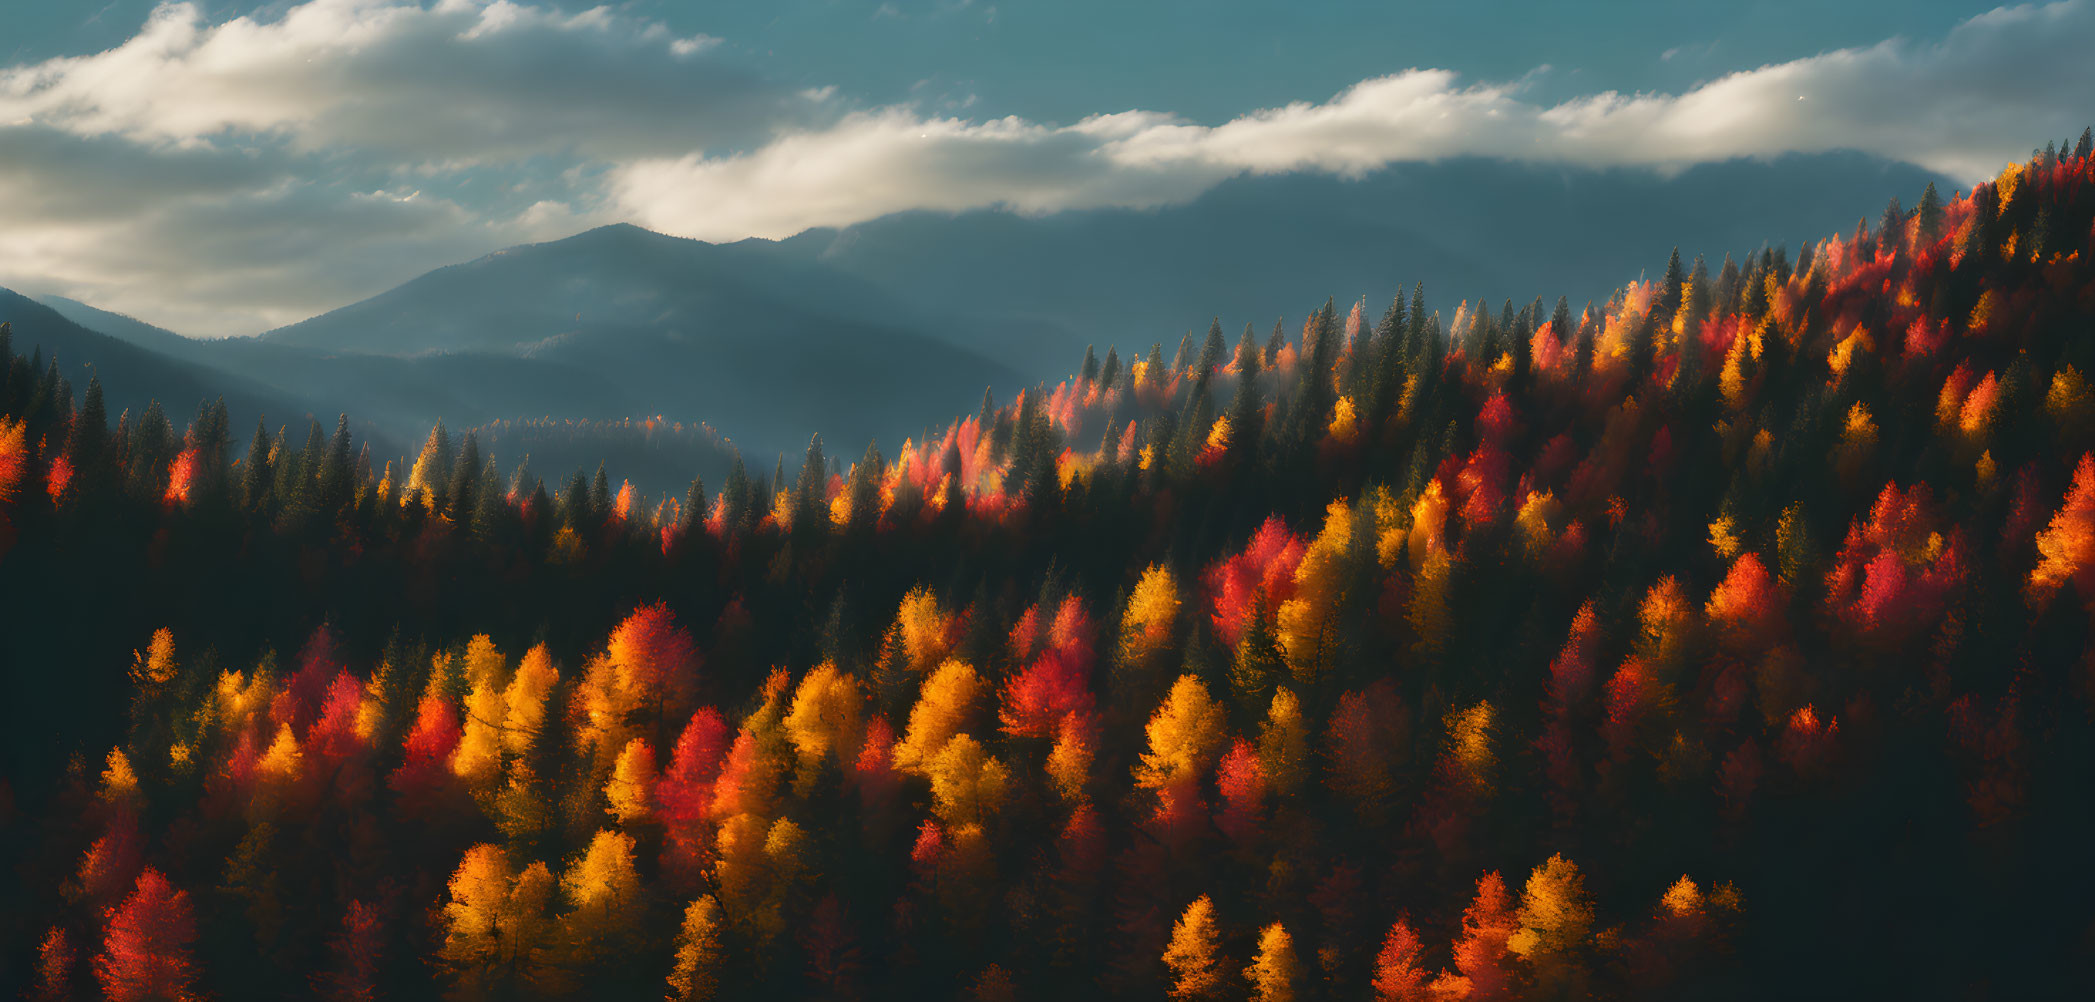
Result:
[1061,60]
[224,167]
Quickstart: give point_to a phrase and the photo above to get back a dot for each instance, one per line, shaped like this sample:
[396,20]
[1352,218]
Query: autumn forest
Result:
[1729,638]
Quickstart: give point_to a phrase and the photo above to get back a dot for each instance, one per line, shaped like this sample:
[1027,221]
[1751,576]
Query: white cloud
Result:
[461,82]
[1961,107]
[228,177]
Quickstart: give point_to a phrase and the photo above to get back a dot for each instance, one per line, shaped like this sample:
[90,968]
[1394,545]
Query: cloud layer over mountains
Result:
[226,177]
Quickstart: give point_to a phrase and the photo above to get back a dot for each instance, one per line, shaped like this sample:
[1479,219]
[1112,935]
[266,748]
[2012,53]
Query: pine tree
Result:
[1247,411]
[429,476]
[734,498]
[1386,351]
[863,490]
[1313,401]
[465,480]
[1089,372]
[490,507]
[1670,288]
[211,435]
[1930,213]
[693,515]
[152,447]
[1212,348]
[1110,371]
[257,477]
[333,484]
[599,497]
[574,501]
[811,491]
[1893,222]
[88,443]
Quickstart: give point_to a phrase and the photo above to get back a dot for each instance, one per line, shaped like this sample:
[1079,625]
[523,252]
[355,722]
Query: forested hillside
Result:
[1727,639]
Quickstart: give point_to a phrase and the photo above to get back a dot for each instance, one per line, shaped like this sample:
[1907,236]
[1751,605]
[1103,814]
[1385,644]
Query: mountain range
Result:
[879,330]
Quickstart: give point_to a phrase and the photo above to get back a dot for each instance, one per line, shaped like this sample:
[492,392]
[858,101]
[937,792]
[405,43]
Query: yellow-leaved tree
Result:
[524,702]
[1283,744]
[1196,969]
[1272,972]
[1148,627]
[1185,735]
[478,758]
[696,976]
[824,724]
[496,934]
[1306,621]
[603,896]
[967,784]
[943,708]
[155,666]
[630,793]
[1556,921]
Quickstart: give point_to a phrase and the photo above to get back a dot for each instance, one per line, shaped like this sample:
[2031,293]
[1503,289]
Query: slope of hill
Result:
[704,330]
[133,376]
[1731,639]
[403,396]
[774,341]
[769,350]
[1257,248]
[125,327]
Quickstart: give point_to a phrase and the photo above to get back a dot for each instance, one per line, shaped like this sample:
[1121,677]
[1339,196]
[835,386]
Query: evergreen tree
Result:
[864,487]
[465,480]
[1930,213]
[695,506]
[811,492]
[1320,346]
[1184,358]
[151,448]
[574,501]
[333,486]
[257,477]
[734,499]
[431,474]
[1211,350]
[1247,411]
[1415,329]
[1670,288]
[1275,341]
[1110,371]
[211,435]
[1387,351]
[88,448]
[1032,453]
[490,507]
[1089,373]
[520,482]
[599,497]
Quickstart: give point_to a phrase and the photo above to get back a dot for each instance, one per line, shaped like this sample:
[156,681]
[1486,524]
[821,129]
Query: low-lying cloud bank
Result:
[226,178]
